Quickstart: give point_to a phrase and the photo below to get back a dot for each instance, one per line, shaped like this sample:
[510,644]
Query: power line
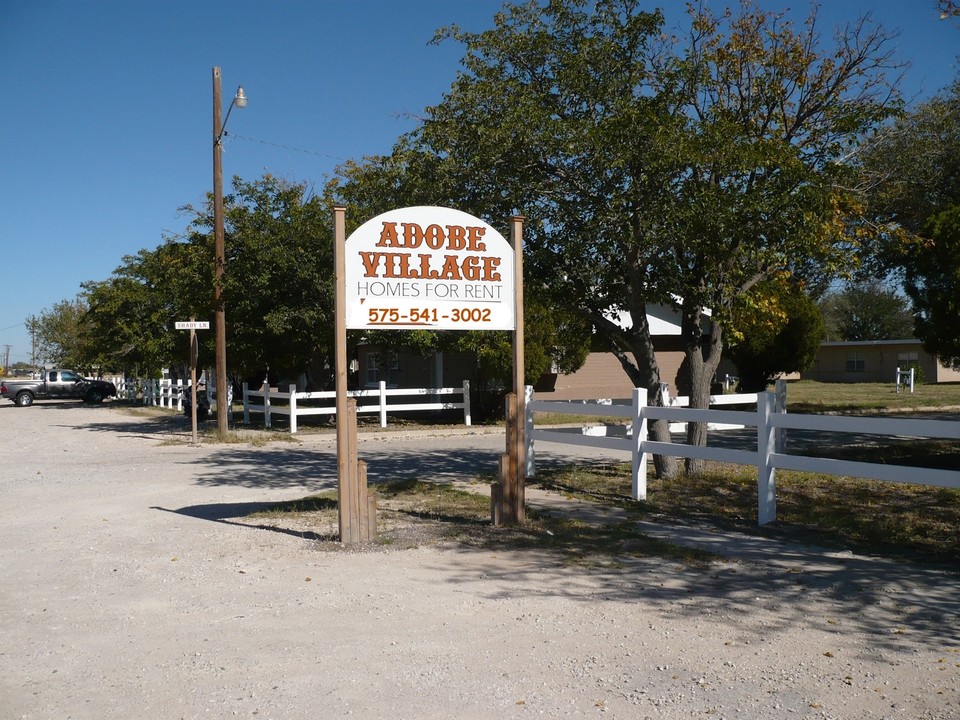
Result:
[285,147]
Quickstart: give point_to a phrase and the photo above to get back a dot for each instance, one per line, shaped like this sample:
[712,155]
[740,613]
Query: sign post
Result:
[514,495]
[193,325]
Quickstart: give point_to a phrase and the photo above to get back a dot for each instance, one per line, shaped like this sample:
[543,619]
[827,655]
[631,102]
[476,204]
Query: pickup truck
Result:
[56,384]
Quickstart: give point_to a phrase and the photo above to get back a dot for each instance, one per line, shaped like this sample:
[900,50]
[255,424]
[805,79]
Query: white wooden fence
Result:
[166,393]
[768,456]
[299,404]
[160,393]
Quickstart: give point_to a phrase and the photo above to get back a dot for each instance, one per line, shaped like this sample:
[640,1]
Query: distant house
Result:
[405,369]
[602,376]
[875,361]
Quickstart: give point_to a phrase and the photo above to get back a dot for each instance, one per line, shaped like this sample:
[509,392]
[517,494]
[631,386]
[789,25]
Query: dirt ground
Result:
[132,588]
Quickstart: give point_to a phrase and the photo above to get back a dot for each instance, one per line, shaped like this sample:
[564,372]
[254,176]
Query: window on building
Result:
[375,367]
[906,359]
[855,362]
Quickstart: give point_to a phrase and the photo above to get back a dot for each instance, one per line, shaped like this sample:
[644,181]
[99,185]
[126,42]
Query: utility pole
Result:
[220,258]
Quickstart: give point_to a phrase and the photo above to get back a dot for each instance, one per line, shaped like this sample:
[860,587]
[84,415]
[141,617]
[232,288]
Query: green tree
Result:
[652,168]
[867,311]
[278,288]
[278,285]
[933,283]
[132,313]
[779,330]
[62,337]
[915,166]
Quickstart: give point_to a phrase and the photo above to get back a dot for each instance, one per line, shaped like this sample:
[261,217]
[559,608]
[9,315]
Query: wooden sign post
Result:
[508,496]
[193,325]
[357,510]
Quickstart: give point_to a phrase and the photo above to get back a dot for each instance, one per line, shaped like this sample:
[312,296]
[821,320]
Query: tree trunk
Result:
[643,372]
[703,355]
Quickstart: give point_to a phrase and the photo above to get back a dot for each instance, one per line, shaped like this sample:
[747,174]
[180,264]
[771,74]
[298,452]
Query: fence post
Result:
[780,443]
[383,403]
[293,409]
[766,473]
[246,403]
[466,403]
[266,403]
[639,431]
[531,464]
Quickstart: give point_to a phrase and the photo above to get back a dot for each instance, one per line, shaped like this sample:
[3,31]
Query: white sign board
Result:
[192,324]
[429,267]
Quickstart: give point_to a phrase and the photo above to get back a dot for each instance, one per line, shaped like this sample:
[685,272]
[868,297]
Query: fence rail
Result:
[295,408]
[160,393]
[770,420]
[168,393]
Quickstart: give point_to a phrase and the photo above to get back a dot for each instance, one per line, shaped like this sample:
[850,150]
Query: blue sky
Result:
[106,110]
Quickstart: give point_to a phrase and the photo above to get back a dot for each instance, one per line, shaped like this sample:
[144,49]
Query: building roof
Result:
[663,319]
[852,343]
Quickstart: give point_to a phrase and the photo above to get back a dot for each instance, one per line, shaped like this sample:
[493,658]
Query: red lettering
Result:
[450,271]
[471,267]
[412,235]
[425,271]
[370,262]
[490,265]
[474,244]
[457,235]
[434,237]
[388,236]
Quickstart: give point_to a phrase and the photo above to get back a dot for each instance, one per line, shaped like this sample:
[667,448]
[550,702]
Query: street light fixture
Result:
[220,260]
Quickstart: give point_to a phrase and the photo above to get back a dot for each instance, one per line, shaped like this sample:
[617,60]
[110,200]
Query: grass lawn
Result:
[906,522]
[810,396]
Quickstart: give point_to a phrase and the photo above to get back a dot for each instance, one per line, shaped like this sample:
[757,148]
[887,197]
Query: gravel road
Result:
[129,592]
